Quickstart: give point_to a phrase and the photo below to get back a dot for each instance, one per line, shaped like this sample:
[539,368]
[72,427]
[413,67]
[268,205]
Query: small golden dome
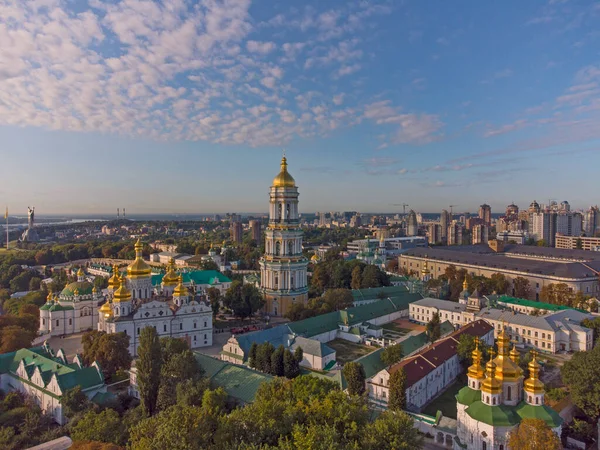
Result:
[180,289]
[80,273]
[49,297]
[476,371]
[284,179]
[506,367]
[105,309]
[94,290]
[533,384]
[314,257]
[171,277]
[465,284]
[139,268]
[122,294]
[113,281]
[491,385]
[514,355]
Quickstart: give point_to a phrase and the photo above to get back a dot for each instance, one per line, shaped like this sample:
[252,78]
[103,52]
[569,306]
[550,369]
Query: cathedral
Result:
[171,308]
[497,398]
[283,266]
[74,310]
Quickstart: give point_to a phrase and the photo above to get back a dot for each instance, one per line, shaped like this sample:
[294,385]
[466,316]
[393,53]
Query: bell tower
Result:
[283,267]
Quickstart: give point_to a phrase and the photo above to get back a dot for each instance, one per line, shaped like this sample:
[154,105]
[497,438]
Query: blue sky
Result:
[185,106]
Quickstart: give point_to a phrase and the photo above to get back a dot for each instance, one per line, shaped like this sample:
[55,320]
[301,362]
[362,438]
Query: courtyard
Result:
[347,351]
[400,328]
[446,403]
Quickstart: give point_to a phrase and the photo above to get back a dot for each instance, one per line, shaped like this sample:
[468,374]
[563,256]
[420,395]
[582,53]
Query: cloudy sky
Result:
[185,106]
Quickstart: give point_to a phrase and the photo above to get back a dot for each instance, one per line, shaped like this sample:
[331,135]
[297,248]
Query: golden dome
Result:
[171,277]
[465,284]
[94,290]
[284,179]
[122,294]
[533,385]
[491,384]
[314,257]
[139,268]
[476,371]
[106,309]
[506,368]
[514,355]
[113,281]
[49,297]
[180,289]
[80,273]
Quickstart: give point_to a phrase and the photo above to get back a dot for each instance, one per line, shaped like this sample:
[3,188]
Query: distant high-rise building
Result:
[564,206]
[444,225]
[255,231]
[544,227]
[569,224]
[434,234]
[534,208]
[480,234]
[455,233]
[236,228]
[485,213]
[412,226]
[356,221]
[591,221]
[512,210]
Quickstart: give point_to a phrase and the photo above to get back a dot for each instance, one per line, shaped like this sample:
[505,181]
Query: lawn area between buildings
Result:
[446,403]
[395,327]
[347,351]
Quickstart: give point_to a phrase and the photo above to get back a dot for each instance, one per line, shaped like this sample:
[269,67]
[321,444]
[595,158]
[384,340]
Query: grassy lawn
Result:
[395,327]
[446,403]
[347,351]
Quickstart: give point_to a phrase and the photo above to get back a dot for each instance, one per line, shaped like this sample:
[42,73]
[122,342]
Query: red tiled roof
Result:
[478,328]
[415,368]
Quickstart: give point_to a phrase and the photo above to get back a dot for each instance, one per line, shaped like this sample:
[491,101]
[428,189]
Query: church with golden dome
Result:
[497,397]
[172,308]
[283,267]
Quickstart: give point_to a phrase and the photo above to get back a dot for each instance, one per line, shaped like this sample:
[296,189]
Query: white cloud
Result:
[517,125]
[262,48]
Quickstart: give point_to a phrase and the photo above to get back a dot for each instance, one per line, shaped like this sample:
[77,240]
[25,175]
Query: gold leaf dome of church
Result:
[105,309]
[284,179]
[113,281]
[139,268]
[180,289]
[122,294]
[171,277]
[506,367]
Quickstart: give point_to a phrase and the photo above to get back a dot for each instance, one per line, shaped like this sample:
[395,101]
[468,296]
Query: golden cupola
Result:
[533,384]
[171,277]
[122,294]
[491,384]
[476,371]
[506,368]
[106,310]
[138,268]
[514,355]
[180,289]
[113,281]
[465,284]
[284,179]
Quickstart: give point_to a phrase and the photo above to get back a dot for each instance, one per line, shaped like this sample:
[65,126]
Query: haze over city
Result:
[185,107]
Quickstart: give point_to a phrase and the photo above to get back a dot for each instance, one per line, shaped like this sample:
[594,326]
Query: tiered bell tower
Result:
[283,267]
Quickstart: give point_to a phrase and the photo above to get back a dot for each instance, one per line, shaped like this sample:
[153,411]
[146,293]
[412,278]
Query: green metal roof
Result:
[372,293]
[239,382]
[58,307]
[84,288]
[372,362]
[547,414]
[197,276]
[413,343]
[100,398]
[499,416]
[468,396]
[532,303]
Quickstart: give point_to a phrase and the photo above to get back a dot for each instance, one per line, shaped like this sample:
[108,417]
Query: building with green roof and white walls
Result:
[45,376]
[74,310]
[497,398]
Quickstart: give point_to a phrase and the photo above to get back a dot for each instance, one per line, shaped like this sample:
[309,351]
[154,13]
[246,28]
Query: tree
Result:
[191,392]
[433,328]
[579,244]
[263,357]
[74,401]
[392,430]
[148,369]
[252,355]
[593,324]
[391,354]
[34,283]
[29,309]
[176,369]
[541,243]
[111,351]
[291,363]
[499,283]
[466,345]
[355,378]
[370,277]
[558,294]
[214,401]
[243,299]
[582,376]
[277,367]
[214,296]
[533,434]
[338,299]
[397,401]
[92,445]
[105,426]
[14,338]
[521,287]
[356,282]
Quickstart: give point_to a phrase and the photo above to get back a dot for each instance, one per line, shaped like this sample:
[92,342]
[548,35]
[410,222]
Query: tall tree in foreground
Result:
[533,434]
[393,430]
[355,378]
[397,401]
[149,367]
[433,328]
[582,376]
[391,354]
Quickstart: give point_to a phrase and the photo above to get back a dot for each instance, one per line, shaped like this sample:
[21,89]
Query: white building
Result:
[44,376]
[552,333]
[497,398]
[428,372]
[173,310]
[74,310]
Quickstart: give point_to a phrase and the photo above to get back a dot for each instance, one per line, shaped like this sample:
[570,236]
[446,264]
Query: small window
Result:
[195,325]
[205,336]
[70,321]
[57,322]
[138,330]
[180,326]
[537,400]
[205,324]
[195,338]
[164,328]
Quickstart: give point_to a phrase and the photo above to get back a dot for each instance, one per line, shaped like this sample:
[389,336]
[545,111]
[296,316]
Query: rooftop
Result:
[443,305]
[531,303]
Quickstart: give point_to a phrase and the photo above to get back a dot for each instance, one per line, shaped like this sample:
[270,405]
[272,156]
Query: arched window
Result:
[537,400]
[530,399]
[146,292]
[292,282]
[140,293]
[508,392]
[278,248]
[279,211]
[487,399]
[290,247]
[287,211]
[494,400]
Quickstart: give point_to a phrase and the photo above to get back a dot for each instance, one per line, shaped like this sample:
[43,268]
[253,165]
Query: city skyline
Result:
[185,107]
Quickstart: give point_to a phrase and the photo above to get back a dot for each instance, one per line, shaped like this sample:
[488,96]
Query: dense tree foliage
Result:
[466,345]
[433,328]
[354,373]
[337,273]
[397,400]
[278,362]
[111,351]
[243,299]
[582,376]
[149,364]
[533,434]
[521,287]
[391,354]
[104,426]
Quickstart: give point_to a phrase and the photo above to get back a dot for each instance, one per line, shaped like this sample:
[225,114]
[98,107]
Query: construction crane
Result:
[404,205]
[452,206]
